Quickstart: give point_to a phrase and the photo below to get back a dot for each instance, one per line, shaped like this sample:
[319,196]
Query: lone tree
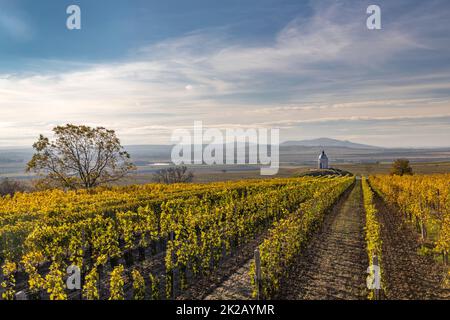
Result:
[80,157]
[401,167]
[173,175]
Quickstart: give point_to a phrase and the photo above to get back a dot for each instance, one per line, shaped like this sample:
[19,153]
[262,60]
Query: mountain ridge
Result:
[328,142]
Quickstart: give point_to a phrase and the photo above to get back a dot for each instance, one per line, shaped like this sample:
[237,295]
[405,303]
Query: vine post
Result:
[377,281]
[258,274]
[172,258]
[21,295]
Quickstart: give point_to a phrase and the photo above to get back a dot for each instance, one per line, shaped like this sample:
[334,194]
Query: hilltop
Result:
[325,172]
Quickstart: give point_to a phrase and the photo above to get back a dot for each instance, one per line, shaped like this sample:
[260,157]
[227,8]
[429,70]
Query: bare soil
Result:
[333,265]
[407,275]
[231,280]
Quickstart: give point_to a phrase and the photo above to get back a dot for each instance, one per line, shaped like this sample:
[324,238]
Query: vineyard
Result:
[425,202]
[186,240]
[415,220]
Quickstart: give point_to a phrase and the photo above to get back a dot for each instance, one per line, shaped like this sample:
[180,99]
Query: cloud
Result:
[323,68]
[290,122]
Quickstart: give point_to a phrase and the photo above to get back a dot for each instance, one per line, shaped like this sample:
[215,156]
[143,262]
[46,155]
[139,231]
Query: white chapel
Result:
[323,161]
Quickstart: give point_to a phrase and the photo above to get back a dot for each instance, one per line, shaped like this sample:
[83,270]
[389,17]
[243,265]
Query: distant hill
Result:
[327,142]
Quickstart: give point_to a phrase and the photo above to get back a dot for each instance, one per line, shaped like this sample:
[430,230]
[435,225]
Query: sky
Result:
[310,68]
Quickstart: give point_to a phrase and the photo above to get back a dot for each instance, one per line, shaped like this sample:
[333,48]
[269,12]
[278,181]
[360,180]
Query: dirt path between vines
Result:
[333,266]
[231,280]
[236,287]
[407,275]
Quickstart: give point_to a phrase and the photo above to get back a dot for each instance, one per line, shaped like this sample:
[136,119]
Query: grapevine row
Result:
[199,247]
[29,218]
[203,223]
[373,234]
[287,238]
[423,201]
